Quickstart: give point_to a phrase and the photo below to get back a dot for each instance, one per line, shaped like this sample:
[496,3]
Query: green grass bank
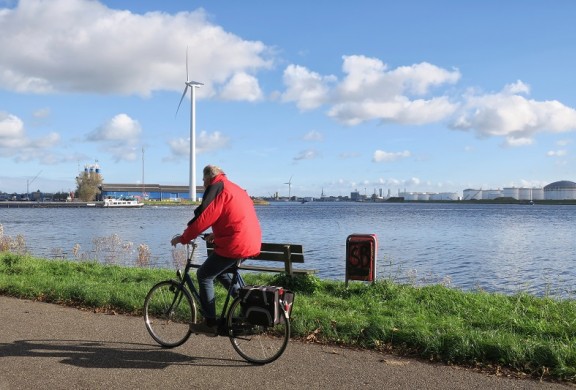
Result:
[527,334]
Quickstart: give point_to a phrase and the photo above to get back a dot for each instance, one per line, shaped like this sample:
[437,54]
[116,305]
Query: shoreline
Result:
[31,204]
[100,204]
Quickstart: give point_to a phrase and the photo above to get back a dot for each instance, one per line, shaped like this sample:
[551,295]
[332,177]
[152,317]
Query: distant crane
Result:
[289,188]
[143,185]
[28,182]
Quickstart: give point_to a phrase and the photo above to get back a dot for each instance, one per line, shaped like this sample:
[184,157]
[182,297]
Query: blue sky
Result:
[338,96]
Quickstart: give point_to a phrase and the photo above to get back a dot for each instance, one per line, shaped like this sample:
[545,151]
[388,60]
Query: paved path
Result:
[45,346]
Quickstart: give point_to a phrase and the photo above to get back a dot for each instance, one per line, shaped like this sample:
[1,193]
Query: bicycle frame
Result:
[185,279]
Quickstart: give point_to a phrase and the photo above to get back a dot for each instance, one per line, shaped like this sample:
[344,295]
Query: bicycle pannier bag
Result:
[261,304]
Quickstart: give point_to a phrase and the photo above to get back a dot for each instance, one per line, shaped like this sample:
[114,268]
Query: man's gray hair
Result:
[211,171]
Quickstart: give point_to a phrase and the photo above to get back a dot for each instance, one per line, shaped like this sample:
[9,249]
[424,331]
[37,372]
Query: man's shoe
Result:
[205,329]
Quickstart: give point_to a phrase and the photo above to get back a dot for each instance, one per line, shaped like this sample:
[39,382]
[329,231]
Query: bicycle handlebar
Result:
[204,236]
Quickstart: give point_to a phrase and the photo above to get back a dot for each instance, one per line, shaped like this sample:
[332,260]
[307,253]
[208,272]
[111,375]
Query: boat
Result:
[260,202]
[122,202]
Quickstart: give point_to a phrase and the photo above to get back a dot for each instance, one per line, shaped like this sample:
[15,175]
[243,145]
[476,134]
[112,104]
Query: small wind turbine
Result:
[192,85]
[289,188]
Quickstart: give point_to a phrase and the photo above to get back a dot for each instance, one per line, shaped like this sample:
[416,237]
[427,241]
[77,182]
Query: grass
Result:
[527,334]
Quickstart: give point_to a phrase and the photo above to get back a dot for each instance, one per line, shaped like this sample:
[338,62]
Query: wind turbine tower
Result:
[289,188]
[192,85]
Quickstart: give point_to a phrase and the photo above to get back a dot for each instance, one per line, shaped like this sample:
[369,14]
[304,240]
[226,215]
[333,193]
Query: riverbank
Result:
[79,204]
[521,333]
[262,202]
[30,204]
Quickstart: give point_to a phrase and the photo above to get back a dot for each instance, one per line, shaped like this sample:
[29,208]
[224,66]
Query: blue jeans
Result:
[214,267]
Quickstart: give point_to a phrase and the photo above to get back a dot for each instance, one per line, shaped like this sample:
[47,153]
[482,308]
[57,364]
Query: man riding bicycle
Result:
[236,234]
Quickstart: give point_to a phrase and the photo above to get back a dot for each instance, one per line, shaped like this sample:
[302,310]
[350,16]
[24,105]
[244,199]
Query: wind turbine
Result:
[289,188]
[192,85]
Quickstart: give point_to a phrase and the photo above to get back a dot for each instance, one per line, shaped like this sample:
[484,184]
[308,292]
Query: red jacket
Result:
[230,212]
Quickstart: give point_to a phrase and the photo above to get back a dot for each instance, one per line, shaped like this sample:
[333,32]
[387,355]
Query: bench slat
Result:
[285,253]
[273,256]
[295,257]
[274,247]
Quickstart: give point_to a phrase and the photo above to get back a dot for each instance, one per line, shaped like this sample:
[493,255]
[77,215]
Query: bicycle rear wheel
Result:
[257,344]
[168,312]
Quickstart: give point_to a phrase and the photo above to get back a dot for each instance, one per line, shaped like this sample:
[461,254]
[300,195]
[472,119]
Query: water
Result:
[498,248]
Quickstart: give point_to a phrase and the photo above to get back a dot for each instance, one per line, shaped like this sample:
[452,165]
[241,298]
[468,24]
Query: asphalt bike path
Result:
[47,346]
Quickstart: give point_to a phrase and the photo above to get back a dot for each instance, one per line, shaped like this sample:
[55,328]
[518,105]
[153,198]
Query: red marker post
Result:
[361,257]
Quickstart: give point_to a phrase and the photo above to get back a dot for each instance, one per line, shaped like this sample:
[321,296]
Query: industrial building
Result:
[144,191]
[559,190]
[149,191]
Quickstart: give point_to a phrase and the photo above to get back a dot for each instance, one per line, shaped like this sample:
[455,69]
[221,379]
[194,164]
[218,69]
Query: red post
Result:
[361,257]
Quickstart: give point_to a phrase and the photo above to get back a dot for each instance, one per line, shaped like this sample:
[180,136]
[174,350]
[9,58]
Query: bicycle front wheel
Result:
[168,312]
[257,344]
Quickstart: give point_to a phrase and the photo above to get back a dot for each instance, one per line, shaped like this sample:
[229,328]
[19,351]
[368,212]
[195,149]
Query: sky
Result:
[333,97]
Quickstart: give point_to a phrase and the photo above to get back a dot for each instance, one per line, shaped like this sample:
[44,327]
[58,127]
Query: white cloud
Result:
[120,128]
[382,156]
[205,142]
[96,49]
[510,115]
[399,184]
[372,75]
[347,155]
[308,154]
[400,110]
[369,91]
[179,147]
[518,141]
[413,181]
[42,113]
[556,153]
[530,184]
[308,89]
[208,142]
[120,137]
[14,142]
[12,133]
[242,86]
[313,135]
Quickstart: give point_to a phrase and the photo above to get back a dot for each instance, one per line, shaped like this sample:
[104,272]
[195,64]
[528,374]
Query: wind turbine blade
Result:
[187,64]
[182,98]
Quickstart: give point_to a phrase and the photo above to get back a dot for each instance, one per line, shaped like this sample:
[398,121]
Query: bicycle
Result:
[170,308]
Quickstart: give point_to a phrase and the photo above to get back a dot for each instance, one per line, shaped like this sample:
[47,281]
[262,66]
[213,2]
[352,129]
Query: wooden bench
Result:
[286,253]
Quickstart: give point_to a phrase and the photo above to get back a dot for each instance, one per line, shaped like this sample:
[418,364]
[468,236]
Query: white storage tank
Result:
[560,190]
[472,194]
[449,196]
[511,192]
[524,193]
[530,194]
[410,196]
[537,193]
[491,194]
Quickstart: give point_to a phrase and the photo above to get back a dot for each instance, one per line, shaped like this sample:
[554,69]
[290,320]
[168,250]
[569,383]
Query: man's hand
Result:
[209,237]
[175,240]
